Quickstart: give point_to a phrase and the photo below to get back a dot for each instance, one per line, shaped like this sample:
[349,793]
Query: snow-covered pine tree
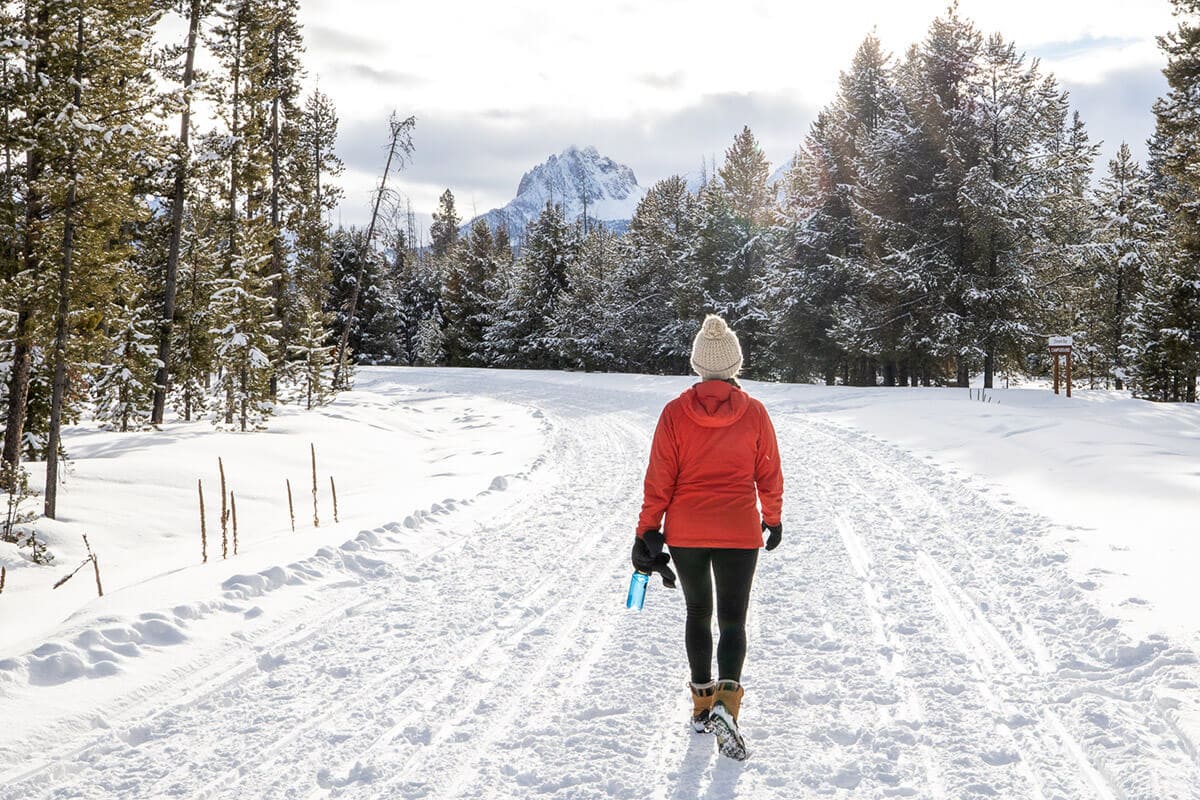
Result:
[466,302]
[521,335]
[86,126]
[1169,317]
[122,388]
[193,352]
[735,234]
[377,335]
[1126,222]
[586,324]
[878,273]
[660,288]
[313,195]
[312,171]
[244,331]
[806,281]
[279,71]
[313,353]
[443,231]
[245,302]
[936,83]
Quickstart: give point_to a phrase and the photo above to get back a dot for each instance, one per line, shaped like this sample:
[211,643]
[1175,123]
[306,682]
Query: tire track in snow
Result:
[1084,742]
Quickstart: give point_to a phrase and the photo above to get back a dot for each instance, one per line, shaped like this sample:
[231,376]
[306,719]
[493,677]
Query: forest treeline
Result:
[939,220]
[149,262]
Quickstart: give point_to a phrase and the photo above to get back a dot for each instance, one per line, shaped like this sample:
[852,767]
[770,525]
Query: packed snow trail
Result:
[910,638]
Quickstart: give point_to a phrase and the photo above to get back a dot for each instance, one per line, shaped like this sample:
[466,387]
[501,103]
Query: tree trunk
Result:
[61,329]
[21,376]
[235,132]
[398,129]
[989,367]
[889,373]
[276,245]
[964,373]
[162,378]
[18,397]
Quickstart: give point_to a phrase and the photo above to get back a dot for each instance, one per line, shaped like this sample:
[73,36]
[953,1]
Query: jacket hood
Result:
[714,404]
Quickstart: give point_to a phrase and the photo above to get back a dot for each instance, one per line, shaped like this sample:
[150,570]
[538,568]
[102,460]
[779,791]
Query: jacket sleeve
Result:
[661,474]
[768,472]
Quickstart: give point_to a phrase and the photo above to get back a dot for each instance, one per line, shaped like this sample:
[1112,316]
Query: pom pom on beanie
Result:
[716,352]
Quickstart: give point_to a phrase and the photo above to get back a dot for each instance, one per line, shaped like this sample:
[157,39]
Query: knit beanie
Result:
[716,353]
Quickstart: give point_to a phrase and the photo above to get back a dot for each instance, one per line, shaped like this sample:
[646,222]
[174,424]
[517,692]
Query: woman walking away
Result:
[713,461]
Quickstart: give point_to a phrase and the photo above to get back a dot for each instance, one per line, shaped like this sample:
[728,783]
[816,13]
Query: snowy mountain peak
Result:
[576,178]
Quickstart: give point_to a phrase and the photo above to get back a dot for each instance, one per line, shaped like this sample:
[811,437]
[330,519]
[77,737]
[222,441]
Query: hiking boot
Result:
[723,720]
[702,702]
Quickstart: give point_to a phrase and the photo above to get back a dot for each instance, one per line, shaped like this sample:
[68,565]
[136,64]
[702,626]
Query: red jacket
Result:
[713,460]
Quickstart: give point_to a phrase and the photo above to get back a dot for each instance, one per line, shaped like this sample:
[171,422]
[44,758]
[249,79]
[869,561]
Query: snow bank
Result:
[399,455]
[1119,477]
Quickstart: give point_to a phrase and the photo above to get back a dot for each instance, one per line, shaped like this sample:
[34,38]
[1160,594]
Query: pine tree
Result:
[377,329]
[443,232]
[1126,220]
[121,390]
[179,194]
[1170,317]
[91,145]
[660,289]
[736,215]
[244,331]
[314,354]
[586,325]
[466,303]
[522,335]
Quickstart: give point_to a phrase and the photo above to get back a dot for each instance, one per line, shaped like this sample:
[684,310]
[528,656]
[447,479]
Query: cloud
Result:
[340,40]
[386,77]
[666,82]
[498,90]
[1118,108]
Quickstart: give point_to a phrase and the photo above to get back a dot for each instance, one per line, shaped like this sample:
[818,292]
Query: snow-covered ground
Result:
[972,600]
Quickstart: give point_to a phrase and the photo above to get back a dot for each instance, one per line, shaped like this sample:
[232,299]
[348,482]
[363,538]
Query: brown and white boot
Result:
[723,720]
[702,702]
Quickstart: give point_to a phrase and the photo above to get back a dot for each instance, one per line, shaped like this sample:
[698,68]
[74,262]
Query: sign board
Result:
[1061,346]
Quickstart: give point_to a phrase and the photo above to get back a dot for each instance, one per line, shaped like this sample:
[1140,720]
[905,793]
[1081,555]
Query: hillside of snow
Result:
[972,599]
[579,180]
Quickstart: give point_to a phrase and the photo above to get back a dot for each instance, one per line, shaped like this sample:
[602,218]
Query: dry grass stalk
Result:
[224,512]
[316,517]
[233,512]
[291,508]
[333,491]
[203,526]
[95,565]
[3,575]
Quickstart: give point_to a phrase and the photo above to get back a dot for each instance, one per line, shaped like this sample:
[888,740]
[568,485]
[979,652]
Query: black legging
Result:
[734,571]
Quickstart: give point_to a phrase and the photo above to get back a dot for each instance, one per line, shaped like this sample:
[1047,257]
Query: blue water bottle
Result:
[637,590]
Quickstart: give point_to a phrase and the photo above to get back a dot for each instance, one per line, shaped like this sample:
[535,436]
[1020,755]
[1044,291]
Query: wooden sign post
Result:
[1061,346]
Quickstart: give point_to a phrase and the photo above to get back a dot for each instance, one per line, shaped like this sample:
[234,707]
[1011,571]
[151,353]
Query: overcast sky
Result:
[660,84]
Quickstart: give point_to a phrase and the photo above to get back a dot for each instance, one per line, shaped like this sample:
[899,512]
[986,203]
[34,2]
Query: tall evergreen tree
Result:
[523,335]
[443,232]
[467,304]
[1126,221]
[1170,319]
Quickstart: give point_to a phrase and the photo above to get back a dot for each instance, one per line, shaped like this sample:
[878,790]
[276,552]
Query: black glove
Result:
[776,534]
[647,556]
